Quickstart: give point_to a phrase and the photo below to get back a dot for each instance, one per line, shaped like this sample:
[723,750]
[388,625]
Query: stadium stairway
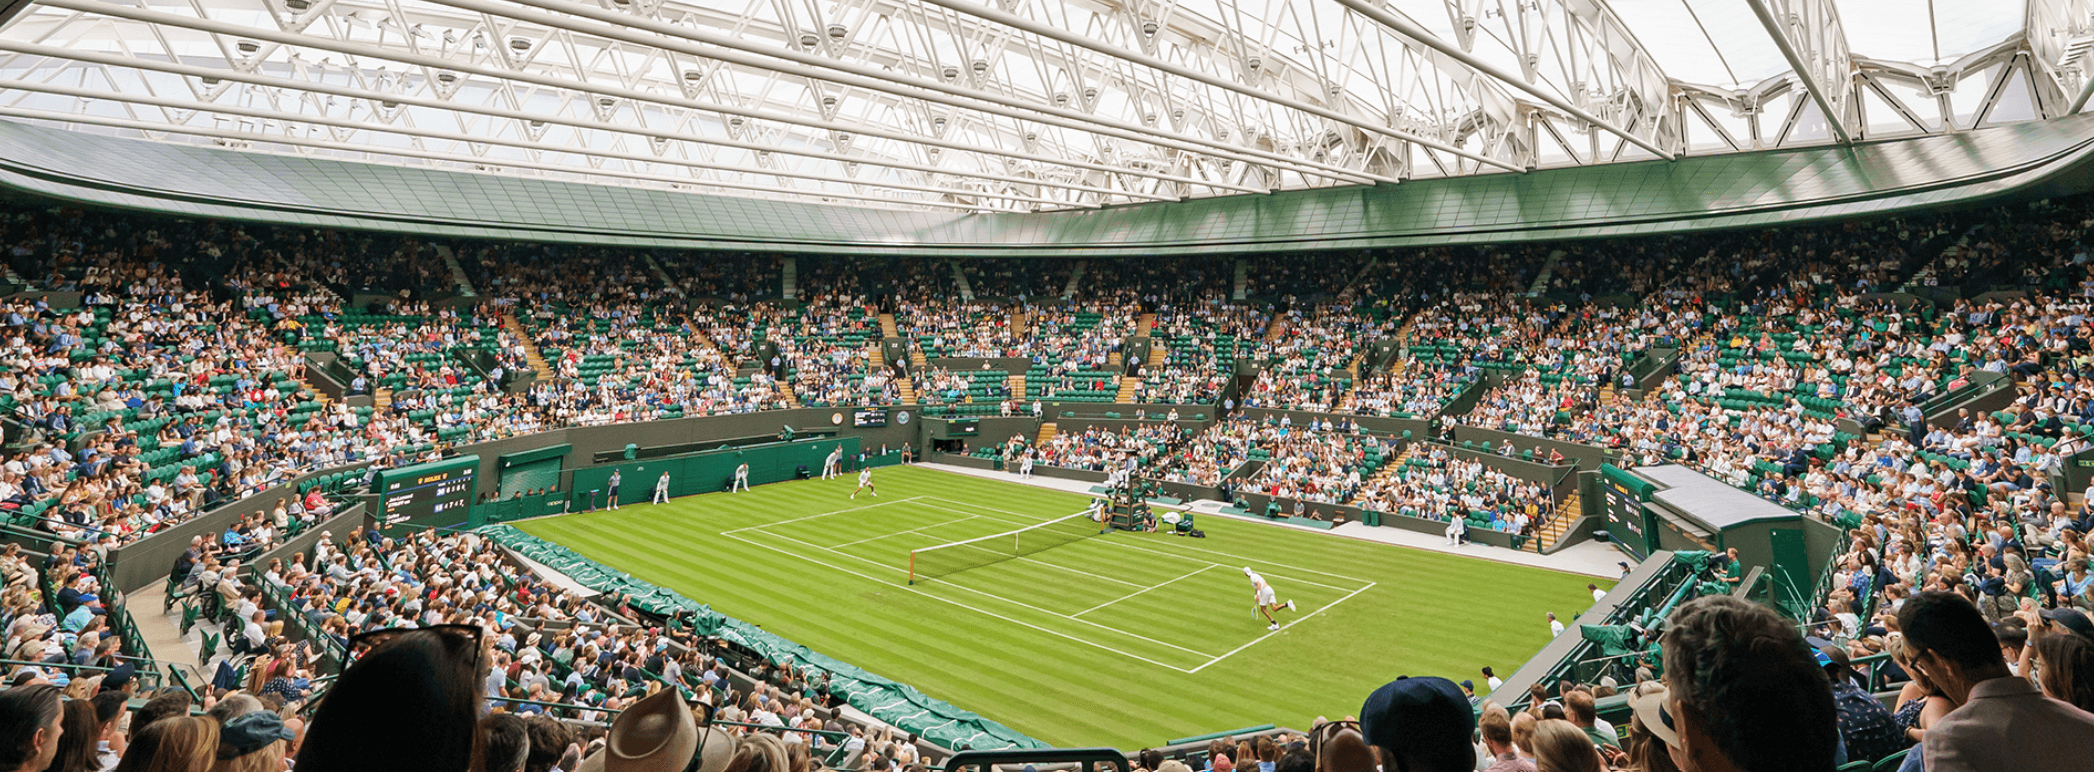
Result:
[1047,432]
[1015,384]
[1143,325]
[1075,276]
[887,328]
[1243,280]
[1021,325]
[531,355]
[959,278]
[1158,354]
[789,278]
[1127,387]
[656,267]
[1388,470]
[382,398]
[162,633]
[1560,522]
[875,357]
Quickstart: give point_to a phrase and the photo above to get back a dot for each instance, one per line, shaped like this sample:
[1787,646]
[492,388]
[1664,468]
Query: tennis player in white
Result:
[1266,599]
[831,467]
[865,483]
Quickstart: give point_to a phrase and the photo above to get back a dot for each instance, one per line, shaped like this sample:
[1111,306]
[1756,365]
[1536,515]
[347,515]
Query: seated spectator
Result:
[1747,693]
[1420,725]
[2002,722]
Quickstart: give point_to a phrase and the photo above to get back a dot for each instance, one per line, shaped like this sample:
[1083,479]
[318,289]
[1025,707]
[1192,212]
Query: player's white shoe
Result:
[1273,626]
[1290,605]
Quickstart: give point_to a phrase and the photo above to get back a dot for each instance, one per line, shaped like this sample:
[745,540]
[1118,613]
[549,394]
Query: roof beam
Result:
[261,78]
[606,89]
[1818,53]
[1409,29]
[323,144]
[612,25]
[452,136]
[1019,22]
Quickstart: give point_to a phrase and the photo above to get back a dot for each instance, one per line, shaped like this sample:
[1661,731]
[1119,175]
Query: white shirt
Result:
[1555,627]
[1598,594]
[865,476]
[1495,682]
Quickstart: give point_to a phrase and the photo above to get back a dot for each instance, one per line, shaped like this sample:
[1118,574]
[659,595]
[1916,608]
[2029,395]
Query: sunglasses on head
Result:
[1328,730]
[461,638]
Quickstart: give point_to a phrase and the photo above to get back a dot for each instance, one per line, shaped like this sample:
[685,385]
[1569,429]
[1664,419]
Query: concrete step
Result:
[1047,432]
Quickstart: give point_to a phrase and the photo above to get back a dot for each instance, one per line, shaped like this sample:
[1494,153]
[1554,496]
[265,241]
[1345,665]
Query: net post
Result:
[912,566]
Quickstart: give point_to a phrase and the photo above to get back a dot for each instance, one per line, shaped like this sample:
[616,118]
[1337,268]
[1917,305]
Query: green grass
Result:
[1124,640]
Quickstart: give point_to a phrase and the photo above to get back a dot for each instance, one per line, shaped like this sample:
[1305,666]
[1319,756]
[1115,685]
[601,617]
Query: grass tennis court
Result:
[1121,639]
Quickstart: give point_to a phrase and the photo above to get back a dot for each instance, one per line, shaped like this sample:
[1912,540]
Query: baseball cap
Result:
[2071,619]
[250,732]
[1418,717]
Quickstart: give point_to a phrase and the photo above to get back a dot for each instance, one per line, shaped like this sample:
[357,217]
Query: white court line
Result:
[1035,561]
[826,514]
[985,612]
[898,533]
[985,593]
[1283,628]
[1252,561]
[1138,592]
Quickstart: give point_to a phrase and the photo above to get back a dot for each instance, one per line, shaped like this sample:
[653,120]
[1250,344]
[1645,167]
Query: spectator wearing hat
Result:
[252,742]
[1420,725]
[1747,694]
[2002,722]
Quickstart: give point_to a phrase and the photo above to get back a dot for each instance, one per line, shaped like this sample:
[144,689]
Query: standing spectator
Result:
[1747,693]
[2002,722]
[1420,725]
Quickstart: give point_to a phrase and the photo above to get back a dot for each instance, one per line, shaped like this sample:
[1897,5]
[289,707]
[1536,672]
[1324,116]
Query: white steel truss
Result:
[1002,105]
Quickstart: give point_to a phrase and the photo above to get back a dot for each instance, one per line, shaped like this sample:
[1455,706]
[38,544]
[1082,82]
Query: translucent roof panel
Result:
[958,105]
[1929,32]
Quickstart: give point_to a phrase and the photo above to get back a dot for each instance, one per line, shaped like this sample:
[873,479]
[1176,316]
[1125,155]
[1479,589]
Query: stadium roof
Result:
[1033,105]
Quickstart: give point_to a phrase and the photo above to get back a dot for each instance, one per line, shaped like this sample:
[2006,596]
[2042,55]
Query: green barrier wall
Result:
[895,703]
[707,472]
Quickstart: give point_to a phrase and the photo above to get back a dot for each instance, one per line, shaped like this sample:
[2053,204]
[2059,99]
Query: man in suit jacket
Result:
[2002,722]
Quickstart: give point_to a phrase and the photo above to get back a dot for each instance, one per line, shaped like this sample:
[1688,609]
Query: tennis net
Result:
[954,557]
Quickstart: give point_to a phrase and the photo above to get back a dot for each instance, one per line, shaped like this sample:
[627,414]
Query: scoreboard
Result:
[435,493]
[1627,518]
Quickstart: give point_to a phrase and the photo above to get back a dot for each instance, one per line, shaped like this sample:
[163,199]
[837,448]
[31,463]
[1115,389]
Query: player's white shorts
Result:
[1266,597]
